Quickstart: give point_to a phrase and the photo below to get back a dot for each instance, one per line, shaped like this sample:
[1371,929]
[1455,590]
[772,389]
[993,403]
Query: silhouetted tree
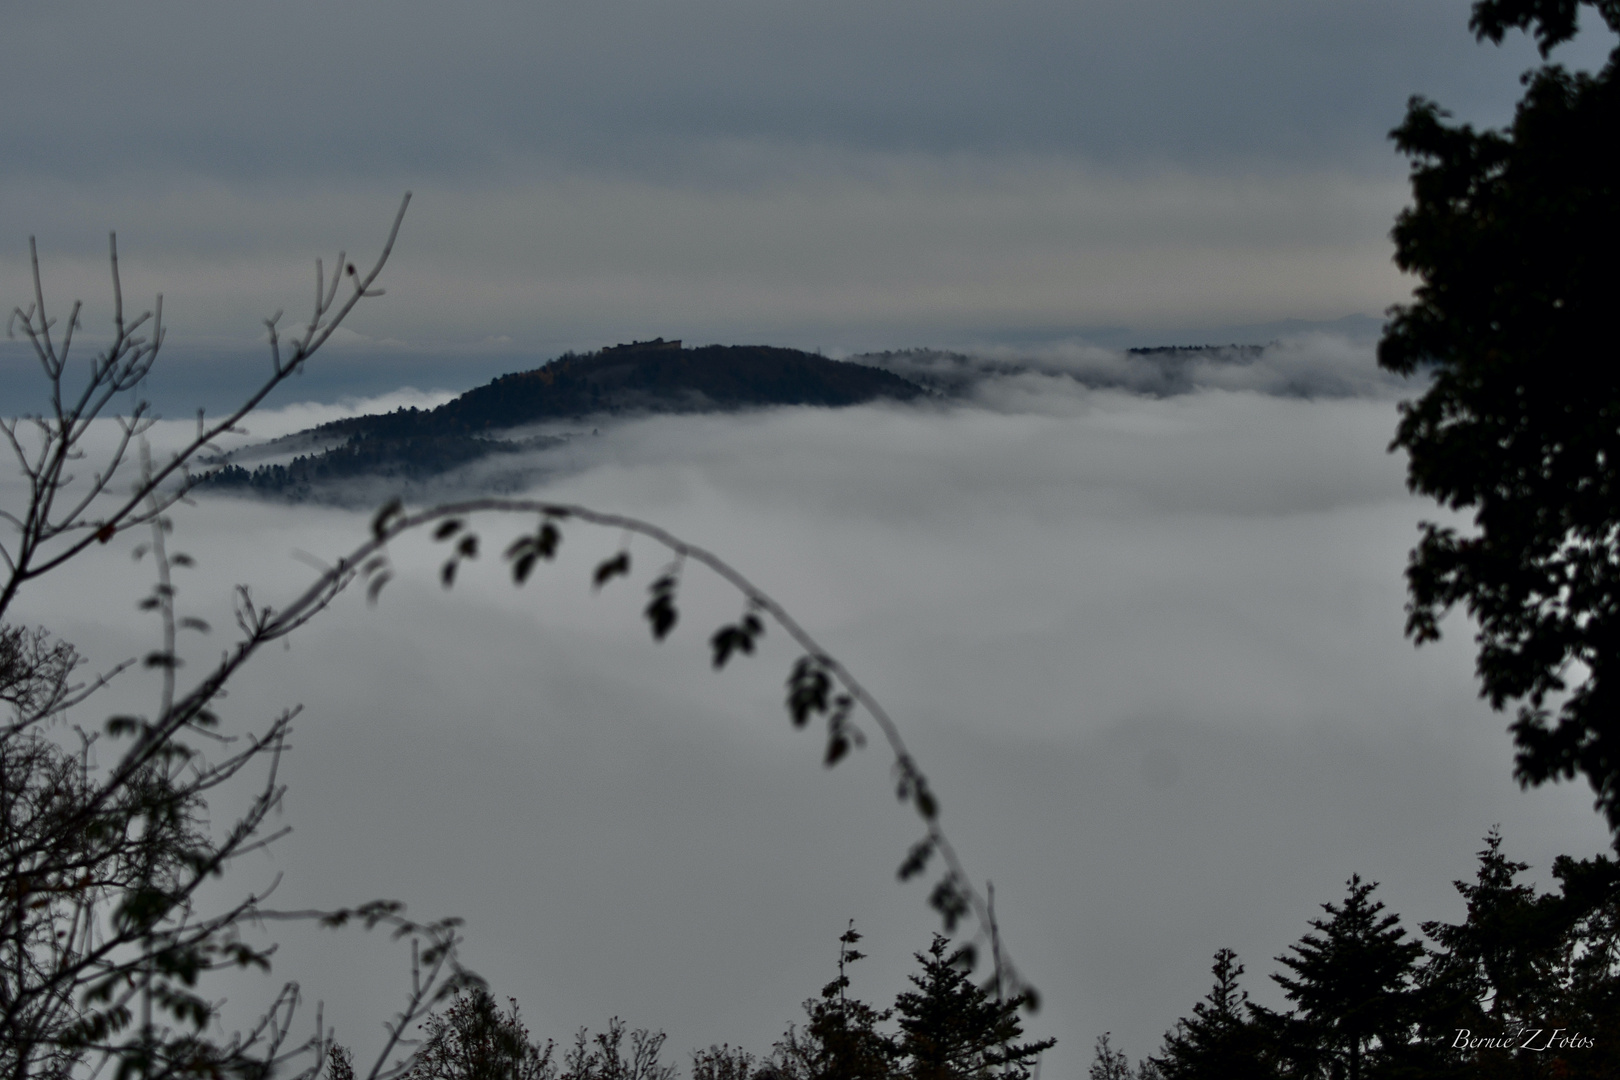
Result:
[474,1040]
[604,1056]
[1221,1038]
[1587,993]
[953,1029]
[723,1062]
[1528,985]
[840,1039]
[1496,971]
[1512,235]
[1351,985]
[34,673]
[1110,1063]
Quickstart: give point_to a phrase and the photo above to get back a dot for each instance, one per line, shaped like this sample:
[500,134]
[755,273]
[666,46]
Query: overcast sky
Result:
[839,174]
[1149,647]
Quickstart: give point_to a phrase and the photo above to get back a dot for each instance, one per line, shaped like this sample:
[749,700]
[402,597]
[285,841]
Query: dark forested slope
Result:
[655,376]
[644,377]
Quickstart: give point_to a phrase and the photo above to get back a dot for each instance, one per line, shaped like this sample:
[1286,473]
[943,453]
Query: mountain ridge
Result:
[655,376]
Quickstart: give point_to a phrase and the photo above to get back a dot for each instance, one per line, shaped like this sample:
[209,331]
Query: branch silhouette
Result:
[819,684]
[103,934]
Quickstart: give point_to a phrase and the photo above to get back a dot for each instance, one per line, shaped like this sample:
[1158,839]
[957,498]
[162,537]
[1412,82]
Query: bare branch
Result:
[125,364]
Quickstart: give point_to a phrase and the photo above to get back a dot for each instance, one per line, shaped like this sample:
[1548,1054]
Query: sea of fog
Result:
[1145,639]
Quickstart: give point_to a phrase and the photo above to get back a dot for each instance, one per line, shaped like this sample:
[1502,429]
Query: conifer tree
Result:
[1586,993]
[1496,967]
[1221,1039]
[1109,1063]
[952,1029]
[1523,969]
[1352,987]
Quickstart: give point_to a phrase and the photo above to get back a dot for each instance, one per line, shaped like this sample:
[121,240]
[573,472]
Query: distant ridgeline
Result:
[1162,370]
[644,377]
[1189,352]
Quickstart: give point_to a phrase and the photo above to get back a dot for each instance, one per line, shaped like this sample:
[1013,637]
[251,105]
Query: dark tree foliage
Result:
[1526,986]
[1497,969]
[1523,970]
[952,1029]
[1108,1062]
[368,457]
[1221,1038]
[659,376]
[474,1040]
[649,375]
[841,1039]
[1512,236]
[1351,985]
[723,1062]
[1586,975]
[604,1056]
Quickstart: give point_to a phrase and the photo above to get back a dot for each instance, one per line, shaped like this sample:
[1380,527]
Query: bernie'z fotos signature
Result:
[1527,1038]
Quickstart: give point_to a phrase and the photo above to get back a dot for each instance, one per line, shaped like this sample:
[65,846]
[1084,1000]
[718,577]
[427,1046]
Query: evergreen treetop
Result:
[1220,1040]
[1352,980]
[952,1029]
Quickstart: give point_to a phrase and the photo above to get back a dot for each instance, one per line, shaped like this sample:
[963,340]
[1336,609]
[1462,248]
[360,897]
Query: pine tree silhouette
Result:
[1352,984]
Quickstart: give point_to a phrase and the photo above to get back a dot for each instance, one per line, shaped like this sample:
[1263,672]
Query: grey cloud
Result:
[312,90]
[1061,381]
[1148,647]
[1316,365]
[841,175]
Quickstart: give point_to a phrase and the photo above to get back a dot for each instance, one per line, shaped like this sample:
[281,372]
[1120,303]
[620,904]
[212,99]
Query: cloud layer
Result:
[307,89]
[1148,647]
[1142,624]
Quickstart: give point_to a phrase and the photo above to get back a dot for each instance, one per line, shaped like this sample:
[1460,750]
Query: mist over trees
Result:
[623,380]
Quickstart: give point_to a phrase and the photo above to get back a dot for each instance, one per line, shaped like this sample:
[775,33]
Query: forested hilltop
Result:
[651,376]
[655,376]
